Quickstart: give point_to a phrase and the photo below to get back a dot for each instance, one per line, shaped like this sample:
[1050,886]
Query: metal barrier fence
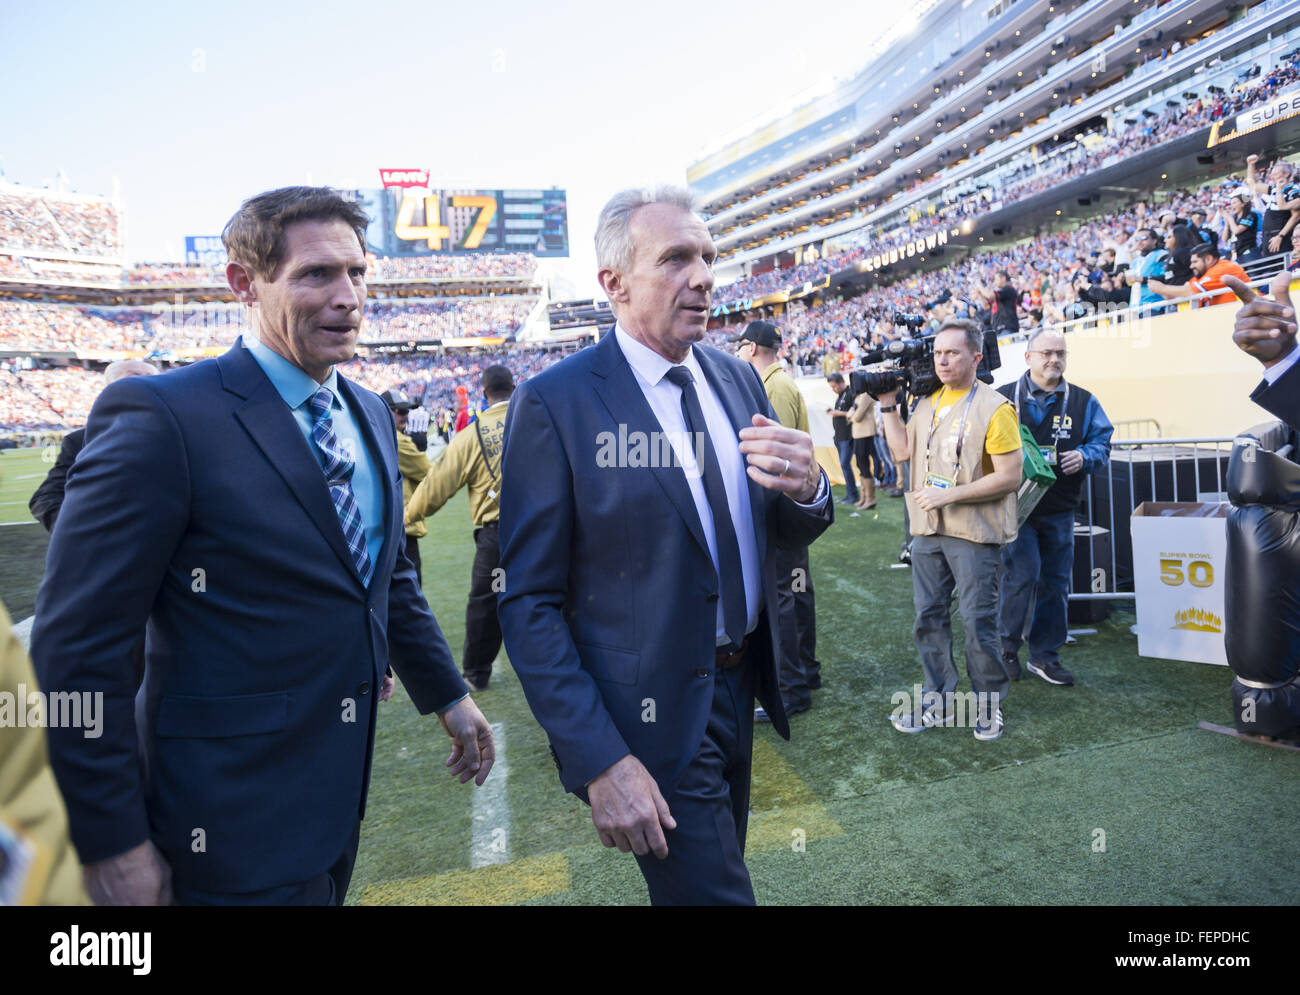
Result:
[1136,428]
[1140,470]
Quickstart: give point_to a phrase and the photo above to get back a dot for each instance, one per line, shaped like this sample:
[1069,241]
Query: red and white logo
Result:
[404,177]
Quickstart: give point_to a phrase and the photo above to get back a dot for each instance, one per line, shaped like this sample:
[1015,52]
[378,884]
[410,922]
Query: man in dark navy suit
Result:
[1266,329]
[249,511]
[639,552]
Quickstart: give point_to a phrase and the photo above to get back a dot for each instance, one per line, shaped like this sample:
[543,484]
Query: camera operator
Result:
[1073,434]
[963,446]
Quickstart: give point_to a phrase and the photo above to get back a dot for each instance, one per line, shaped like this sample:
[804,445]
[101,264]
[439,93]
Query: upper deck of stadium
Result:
[971,100]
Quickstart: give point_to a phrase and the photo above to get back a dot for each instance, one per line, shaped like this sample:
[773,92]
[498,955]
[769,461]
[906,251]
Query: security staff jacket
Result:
[1067,418]
[414,467]
[786,400]
[473,460]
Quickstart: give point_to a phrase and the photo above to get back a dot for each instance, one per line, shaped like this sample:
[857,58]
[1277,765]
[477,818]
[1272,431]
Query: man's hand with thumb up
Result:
[1264,328]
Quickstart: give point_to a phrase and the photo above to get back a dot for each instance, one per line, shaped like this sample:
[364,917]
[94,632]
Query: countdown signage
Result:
[410,218]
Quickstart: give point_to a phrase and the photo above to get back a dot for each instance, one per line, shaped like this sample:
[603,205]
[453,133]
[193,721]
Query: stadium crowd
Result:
[1029,176]
[35,327]
[483,265]
[1054,277]
[44,221]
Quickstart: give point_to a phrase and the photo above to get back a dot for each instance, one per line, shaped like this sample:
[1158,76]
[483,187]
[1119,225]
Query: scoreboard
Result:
[409,220]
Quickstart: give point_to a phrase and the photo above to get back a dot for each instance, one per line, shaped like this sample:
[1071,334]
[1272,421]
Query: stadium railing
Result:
[1142,470]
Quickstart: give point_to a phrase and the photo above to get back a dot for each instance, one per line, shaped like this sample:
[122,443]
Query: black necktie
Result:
[731,578]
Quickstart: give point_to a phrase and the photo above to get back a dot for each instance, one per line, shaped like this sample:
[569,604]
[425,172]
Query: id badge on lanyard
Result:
[937,479]
[1058,435]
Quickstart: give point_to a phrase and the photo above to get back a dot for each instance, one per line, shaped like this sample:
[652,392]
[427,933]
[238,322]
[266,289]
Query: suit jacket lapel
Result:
[617,387]
[733,402]
[271,424]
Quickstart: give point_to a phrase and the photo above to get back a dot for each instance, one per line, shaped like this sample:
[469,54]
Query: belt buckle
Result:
[727,661]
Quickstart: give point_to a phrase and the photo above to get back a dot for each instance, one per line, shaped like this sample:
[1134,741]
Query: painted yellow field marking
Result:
[783,805]
[499,884]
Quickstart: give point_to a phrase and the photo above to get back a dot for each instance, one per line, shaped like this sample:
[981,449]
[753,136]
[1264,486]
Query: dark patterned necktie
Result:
[731,578]
[338,475]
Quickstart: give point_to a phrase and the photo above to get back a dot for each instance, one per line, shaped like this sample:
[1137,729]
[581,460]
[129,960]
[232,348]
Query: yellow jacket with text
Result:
[787,401]
[414,466]
[463,464]
[39,866]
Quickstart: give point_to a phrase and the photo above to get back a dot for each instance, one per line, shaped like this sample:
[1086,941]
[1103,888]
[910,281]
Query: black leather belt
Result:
[727,658]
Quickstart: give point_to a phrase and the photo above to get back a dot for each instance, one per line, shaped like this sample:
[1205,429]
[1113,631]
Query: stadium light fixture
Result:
[1058,213]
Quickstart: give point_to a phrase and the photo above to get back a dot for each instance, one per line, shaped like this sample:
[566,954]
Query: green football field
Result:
[1101,793]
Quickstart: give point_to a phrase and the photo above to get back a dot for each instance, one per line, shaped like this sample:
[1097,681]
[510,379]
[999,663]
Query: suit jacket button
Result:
[701,673]
[711,598]
[364,688]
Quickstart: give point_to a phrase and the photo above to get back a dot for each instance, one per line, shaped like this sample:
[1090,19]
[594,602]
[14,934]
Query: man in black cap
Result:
[800,671]
[414,467]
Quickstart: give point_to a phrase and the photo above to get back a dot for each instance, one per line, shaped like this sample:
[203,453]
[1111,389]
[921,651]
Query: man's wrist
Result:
[819,495]
[449,706]
[1274,368]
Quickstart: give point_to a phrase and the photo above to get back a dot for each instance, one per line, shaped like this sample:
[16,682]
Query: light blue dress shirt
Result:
[297,388]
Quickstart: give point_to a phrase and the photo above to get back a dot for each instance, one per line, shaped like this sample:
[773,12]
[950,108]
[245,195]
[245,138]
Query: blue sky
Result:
[193,109]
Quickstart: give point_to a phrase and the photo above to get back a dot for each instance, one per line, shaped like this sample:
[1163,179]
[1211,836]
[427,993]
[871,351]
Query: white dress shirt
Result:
[665,400]
[1274,372]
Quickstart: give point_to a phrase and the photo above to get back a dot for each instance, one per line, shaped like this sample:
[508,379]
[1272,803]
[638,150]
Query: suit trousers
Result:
[413,554]
[799,668]
[706,852]
[329,888]
[482,630]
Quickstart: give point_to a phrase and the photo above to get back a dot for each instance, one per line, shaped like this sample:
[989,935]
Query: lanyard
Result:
[1065,403]
[961,431]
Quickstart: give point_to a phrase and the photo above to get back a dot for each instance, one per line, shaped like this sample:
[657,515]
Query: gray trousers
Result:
[941,564]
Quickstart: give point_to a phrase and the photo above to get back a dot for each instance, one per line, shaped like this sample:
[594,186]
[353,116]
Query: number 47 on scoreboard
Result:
[433,230]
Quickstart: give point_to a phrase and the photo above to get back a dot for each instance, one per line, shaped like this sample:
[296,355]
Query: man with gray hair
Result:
[962,445]
[640,604]
[1073,435]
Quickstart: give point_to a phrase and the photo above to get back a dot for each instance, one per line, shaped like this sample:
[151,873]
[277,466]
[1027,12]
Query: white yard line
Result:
[23,632]
[490,826]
